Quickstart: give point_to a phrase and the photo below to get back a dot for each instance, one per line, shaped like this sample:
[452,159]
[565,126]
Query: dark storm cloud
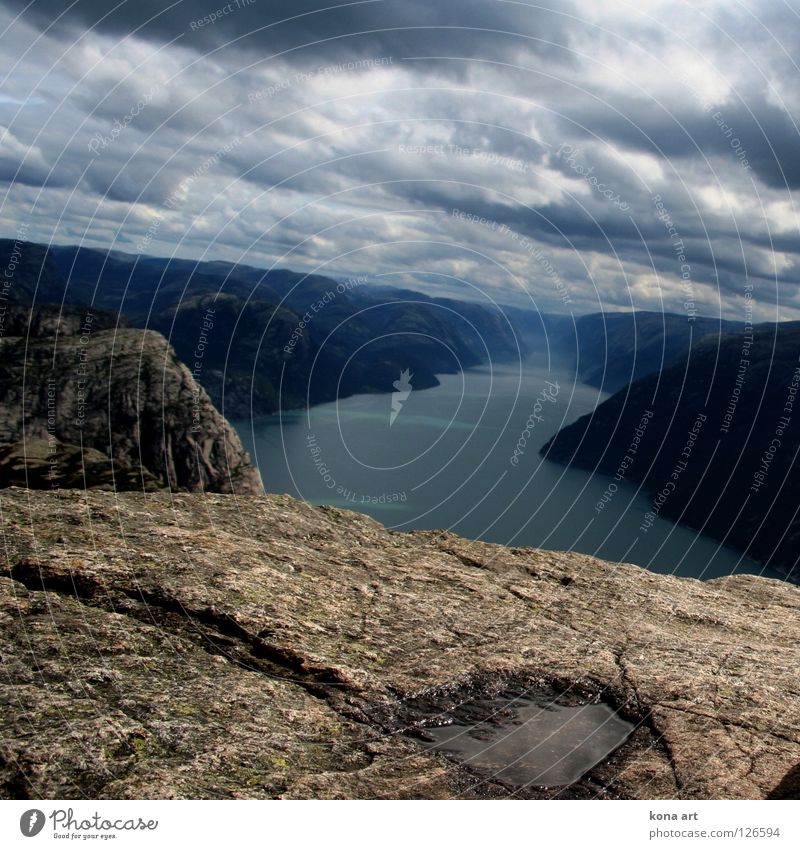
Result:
[750,129]
[298,28]
[323,164]
[621,238]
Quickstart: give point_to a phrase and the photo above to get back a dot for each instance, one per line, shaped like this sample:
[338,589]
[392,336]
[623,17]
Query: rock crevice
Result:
[239,649]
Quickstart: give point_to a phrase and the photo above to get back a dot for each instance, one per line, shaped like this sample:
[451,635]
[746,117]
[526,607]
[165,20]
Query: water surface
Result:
[538,745]
[464,456]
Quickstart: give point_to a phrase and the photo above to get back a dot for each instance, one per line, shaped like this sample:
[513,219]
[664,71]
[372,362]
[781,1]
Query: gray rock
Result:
[176,645]
[49,464]
[122,392]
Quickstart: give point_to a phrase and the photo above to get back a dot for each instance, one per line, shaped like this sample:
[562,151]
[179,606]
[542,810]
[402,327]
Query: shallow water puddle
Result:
[525,743]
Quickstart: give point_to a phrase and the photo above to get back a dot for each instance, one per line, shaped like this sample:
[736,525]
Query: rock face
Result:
[28,273]
[209,646]
[124,393]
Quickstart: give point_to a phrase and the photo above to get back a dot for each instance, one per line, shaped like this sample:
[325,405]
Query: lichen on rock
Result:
[170,645]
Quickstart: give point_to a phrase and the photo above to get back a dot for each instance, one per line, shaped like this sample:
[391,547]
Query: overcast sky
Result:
[341,140]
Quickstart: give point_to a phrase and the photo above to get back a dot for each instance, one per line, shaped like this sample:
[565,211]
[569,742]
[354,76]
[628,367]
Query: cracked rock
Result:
[249,654]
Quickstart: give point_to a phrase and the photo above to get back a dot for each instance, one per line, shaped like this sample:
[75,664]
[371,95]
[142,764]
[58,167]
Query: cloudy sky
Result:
[598,154]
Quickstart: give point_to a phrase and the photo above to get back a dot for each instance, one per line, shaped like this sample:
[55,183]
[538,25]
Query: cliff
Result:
[178,645]
[124,393]
[49,464]
[721,438]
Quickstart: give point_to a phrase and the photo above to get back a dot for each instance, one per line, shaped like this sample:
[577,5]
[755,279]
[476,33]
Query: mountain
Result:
[475,333]
[614,349]
[254,357]
[176,645]
[28,271]
[120,392]
[715,441]
[38,320]
[261,340]
[282,339]
[235,349]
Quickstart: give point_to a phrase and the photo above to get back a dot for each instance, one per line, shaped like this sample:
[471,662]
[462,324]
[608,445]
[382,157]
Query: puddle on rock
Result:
[528,742]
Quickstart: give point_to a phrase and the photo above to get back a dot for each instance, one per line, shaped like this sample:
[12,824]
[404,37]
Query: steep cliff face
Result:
[209,646]
[124,393]
[719,445]
[54,320]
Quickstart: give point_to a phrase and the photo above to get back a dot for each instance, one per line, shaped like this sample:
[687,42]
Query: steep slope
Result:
[615,349]
[217,647]
[28,272]
[236,350]
[124,393]
[255,358]
[714,440]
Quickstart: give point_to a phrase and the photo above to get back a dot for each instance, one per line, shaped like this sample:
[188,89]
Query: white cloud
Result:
[319,178]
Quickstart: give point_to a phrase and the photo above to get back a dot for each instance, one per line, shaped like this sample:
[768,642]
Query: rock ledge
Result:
[213,646]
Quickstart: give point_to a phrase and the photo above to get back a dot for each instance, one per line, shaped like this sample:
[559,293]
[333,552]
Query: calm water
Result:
[539,745]
[446,460]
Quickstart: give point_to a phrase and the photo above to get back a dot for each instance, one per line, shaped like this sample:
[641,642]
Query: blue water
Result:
[446,462]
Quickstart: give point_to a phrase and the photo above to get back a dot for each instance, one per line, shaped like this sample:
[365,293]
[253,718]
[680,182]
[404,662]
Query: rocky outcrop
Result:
[177,645]
[124,393]
[46,464]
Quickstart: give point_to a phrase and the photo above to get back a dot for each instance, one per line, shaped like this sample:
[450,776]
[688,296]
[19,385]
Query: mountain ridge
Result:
[720,444]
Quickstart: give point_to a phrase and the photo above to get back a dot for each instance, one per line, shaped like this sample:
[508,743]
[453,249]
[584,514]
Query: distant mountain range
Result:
[259,340]
[614,349]
[715,440]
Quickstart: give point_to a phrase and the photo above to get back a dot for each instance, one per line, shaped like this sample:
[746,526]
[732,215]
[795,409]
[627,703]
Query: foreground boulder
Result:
[123,393]
[178,645]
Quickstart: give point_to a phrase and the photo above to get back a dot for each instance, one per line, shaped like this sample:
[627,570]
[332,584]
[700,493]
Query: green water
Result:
[446,462]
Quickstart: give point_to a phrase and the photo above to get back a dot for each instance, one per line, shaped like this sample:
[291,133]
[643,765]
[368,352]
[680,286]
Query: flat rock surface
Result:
[185,645]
